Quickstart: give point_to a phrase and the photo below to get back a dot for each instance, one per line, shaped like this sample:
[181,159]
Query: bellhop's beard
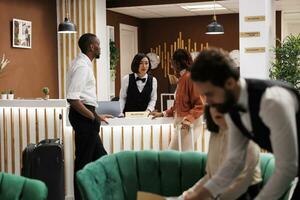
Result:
[229,102]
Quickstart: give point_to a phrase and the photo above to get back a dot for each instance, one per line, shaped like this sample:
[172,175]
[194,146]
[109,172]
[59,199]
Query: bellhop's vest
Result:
[136,100]
[261,133]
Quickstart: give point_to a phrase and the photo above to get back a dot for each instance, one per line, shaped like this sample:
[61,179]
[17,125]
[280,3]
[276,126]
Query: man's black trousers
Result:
[88,145]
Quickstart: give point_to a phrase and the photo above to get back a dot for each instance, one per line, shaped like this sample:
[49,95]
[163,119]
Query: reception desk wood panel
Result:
[28,121]
[24,122]
[142,134]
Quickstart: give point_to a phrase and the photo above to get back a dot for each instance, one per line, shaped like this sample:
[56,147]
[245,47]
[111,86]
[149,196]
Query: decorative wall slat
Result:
[83,14]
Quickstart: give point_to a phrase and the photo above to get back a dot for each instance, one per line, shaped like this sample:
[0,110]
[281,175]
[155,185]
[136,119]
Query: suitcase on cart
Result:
[45,161]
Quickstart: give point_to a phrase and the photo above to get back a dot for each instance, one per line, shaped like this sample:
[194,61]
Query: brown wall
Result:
[278,26]
[156,31]
[115,19]
[30,69]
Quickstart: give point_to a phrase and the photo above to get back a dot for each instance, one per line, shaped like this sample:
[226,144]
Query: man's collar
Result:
[86,58]
[243,97]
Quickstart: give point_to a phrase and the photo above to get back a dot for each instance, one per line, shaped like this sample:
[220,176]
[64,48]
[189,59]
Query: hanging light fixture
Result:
[67,26]
[214,27]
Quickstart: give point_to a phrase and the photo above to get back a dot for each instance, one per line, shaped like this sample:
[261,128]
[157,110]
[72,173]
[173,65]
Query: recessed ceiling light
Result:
[202,7]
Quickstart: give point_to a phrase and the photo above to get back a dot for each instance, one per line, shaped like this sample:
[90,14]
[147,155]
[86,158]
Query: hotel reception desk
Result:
[29,121]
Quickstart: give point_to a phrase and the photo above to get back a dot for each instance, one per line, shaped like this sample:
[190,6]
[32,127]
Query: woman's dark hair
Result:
[136,62]
[214,65]
[85,41]
[210,124]
[182,58]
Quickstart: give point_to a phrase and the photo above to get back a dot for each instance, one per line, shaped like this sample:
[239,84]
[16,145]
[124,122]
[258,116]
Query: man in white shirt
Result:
[81,94]
[264,111]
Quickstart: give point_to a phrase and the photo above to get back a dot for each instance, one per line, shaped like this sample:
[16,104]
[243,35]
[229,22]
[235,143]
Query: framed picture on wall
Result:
[21,34]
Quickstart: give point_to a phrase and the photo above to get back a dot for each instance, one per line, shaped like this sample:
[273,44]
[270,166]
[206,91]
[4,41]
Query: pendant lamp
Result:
[66,26]
[214,27]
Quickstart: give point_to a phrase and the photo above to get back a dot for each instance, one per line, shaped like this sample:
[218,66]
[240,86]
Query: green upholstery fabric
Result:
[119,176]
[13,187]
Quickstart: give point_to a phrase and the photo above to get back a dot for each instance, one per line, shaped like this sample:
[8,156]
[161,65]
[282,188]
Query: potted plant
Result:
[4,95]
[114,58]
[10,95]
[286,66]
[46,92]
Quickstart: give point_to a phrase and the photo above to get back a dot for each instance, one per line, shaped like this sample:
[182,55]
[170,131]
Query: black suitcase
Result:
[45,161]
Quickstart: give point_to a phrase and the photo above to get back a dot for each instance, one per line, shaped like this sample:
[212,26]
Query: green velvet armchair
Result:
[168,173]
[13,187]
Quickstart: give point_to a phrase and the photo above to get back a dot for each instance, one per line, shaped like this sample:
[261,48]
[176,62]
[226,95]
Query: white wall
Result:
[256,65]
[103,72]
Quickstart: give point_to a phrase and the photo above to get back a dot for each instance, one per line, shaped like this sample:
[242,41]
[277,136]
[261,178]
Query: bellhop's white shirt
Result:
[81,83]
[140,86]
[277,110]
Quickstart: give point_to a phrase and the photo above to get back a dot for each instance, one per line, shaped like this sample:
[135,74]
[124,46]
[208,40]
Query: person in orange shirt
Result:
[188,105]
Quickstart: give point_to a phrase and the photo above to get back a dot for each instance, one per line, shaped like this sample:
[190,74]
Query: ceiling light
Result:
[203,7]
[66,26]
[214,28]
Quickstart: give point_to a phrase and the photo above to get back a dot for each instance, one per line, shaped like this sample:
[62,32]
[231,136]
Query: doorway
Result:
[128,47]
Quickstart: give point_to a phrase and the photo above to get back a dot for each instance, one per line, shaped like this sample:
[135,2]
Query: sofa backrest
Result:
[18,187]
[119,176]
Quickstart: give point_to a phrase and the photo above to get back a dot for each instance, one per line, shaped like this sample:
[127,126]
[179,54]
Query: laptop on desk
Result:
[108,107]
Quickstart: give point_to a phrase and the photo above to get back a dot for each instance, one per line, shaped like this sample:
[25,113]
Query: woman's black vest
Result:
[136,100]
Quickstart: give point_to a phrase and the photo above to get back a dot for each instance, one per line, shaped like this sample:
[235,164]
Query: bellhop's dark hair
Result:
[214,65]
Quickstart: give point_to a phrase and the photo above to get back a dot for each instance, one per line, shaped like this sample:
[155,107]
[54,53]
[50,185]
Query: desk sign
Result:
[255,18]
[249,34]
[255,50]
[136,114]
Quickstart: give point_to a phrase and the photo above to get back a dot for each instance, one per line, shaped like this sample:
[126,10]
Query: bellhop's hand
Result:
[202,194]
[105,117]
[156,114]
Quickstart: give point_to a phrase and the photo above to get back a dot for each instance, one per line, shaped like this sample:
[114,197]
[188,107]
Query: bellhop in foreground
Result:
[264,111]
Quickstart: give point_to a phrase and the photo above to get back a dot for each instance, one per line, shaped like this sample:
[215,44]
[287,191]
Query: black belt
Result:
[91,108]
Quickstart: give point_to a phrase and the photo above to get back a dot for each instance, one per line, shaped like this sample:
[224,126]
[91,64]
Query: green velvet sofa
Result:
[13,187]
[119,176]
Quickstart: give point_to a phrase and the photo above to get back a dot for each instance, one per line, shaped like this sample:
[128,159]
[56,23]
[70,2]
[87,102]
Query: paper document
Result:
[151,196]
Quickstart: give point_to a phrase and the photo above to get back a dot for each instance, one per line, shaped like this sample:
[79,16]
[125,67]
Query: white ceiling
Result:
[175,10]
